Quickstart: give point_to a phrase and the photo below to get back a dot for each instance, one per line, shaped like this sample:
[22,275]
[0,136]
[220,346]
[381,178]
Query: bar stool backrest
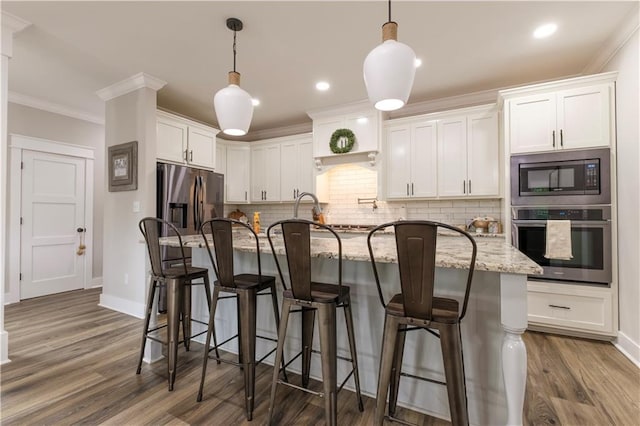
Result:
[296,234]
[416,243]
[220,231]
[150,228]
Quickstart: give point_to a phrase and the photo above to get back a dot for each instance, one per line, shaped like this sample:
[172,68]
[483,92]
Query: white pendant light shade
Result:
[389,70]
[234,108]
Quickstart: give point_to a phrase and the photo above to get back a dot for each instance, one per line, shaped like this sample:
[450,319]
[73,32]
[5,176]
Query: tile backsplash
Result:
[348,182]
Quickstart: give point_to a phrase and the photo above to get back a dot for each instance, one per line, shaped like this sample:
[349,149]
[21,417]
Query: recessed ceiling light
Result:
[545,30]
[255,101]
[322,86]
[418,62]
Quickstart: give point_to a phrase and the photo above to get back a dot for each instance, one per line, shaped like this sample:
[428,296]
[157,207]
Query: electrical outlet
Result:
[136,206]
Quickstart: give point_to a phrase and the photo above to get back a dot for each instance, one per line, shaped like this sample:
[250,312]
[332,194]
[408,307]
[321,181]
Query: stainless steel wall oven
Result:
[590,241]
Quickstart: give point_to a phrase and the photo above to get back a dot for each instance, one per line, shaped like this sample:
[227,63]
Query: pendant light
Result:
[233,105]
[389,70]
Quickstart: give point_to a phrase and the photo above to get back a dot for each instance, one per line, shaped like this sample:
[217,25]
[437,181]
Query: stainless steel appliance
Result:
[590,241]
[561,178]
[187,197]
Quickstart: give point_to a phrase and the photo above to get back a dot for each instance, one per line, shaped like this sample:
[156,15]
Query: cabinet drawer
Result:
[586,311]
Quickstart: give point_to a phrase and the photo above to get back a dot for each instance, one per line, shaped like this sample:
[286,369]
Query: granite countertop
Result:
[494,254]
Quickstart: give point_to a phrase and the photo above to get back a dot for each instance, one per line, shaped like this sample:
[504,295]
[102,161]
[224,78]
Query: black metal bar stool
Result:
[311,297]
[245,288]
[416,308]
[178,281]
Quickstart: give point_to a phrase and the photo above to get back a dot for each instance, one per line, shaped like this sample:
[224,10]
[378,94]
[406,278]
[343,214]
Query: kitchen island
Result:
[494,353]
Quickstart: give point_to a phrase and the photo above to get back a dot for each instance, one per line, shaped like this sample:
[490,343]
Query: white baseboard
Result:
[4,347]
[125,306]
[11,297]
[95,282]
[628,347]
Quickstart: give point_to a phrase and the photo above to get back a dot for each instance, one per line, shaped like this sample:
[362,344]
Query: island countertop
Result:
[494,254]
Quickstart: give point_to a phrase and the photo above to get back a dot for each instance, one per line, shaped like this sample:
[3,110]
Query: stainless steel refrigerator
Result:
[186,197]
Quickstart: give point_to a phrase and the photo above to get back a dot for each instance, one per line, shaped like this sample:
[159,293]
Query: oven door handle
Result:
[587,223]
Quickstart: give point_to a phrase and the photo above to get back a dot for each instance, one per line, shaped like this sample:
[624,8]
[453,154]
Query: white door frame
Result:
[16,145]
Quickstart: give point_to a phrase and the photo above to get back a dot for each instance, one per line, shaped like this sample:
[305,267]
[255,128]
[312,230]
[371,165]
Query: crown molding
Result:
[437,105]
[278,132]
[13,23]
[614,43]
[349,108]
[33,102]
[138,81]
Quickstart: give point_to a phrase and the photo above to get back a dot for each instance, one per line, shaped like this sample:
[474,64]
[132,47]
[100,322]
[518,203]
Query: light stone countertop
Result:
[494,254]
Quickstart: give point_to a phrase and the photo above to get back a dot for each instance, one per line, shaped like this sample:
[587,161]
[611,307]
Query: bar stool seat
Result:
[308,298]
[418,308]
[178,281]
[244,287]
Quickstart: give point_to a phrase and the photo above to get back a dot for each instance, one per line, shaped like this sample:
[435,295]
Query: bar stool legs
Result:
[386,364]
[352,348]
[327,329]
[174,296]
[282,332]
[454,373]
[308,323]
[147,320]
[247,305]
[396,368]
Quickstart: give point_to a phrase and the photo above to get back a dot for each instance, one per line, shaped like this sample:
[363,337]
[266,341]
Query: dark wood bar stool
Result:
[415,308]
[311,297]
[245,288]
[178,281]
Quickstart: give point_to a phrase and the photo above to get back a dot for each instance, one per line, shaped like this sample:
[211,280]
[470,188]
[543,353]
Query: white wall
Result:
[37,123]
[628,155]
[130,117]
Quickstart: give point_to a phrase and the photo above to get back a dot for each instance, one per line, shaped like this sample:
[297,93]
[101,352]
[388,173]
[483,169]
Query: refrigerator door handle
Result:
[201,206]
[196,196]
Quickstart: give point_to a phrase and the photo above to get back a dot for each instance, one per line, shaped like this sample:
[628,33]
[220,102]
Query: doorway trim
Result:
[17,144]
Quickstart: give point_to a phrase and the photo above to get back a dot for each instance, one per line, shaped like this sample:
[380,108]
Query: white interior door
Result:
[53,204]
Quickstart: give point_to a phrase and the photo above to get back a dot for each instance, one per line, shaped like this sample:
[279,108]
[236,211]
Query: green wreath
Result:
[338,136]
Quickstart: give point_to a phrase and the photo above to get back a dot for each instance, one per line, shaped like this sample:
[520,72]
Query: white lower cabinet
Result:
[237,174]
[581,309]
[296,171]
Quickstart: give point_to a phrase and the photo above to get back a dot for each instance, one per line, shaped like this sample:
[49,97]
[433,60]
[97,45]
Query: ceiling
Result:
[74,49]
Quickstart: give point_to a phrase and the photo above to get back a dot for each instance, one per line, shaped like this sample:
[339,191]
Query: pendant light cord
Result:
[389,11]
[234,50]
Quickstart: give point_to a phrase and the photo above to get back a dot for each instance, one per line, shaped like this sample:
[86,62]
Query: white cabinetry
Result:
[570,114]
[185,142]
[296,171]
[363,120]
[468,155]
[221,158]
[237,173]
[265,172]
[412,160]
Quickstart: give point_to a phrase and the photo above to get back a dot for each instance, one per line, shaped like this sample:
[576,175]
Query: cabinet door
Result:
[306,180]
[483,156]
[237,176]
[272,172]
[424,160]
[363,127]
[452,157]
[221,159]
[322,131]
[289,172]
[202,147]
[399,161]
[258,173]
[532,123]
[584,117]
[171,140]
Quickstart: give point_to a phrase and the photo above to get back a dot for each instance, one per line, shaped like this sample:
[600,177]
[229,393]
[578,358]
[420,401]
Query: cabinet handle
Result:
[186,154]
[469,186]
[464,186]
[553,137]
[561,138]
[265,195]
[191,155]
[560,307]
[411,188]
[294,193]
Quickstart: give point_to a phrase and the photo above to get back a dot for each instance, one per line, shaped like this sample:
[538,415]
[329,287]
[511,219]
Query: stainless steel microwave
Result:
[564,177]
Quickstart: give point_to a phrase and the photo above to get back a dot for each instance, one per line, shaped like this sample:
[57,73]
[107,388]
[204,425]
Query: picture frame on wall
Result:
[123,167]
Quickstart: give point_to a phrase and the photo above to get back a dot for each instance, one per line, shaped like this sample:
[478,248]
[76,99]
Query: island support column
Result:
[513,314]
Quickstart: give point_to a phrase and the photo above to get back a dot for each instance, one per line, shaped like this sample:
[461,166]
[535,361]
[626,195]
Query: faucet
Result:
[316,204]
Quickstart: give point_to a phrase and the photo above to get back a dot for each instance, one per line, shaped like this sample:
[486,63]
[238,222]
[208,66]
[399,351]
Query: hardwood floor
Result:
[73,362]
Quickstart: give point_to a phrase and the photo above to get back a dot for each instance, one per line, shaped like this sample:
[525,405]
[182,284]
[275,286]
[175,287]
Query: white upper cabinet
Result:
[568,114]
[237,174]
[265,172]
[221,158]
[185,142]
[412,160]
[450,154]
[362,119]
[296,171]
